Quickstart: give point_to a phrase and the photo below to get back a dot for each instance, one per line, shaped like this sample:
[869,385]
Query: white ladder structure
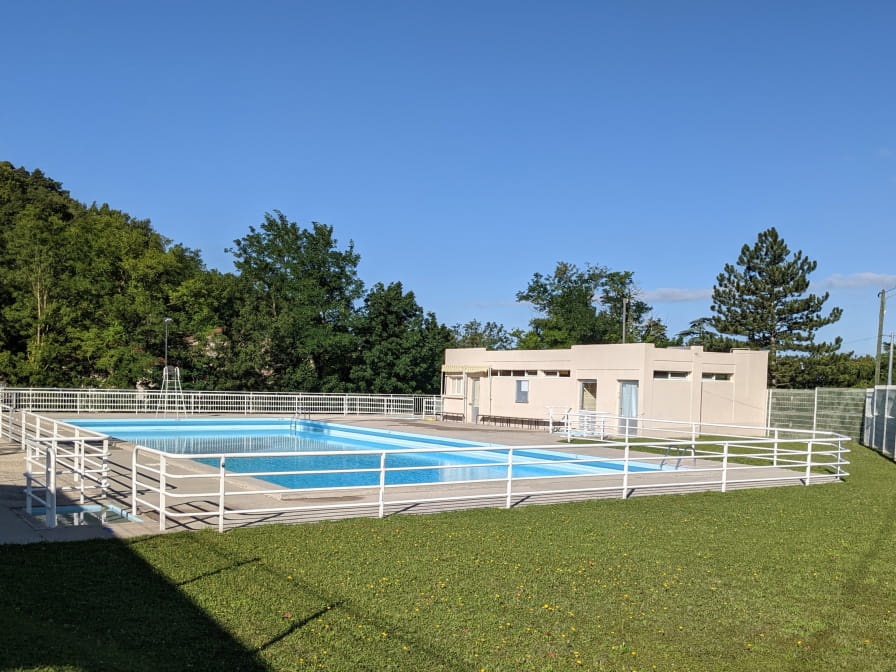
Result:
[172,394]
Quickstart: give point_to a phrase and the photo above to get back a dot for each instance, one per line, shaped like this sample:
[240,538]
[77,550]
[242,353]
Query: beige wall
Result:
[688,395]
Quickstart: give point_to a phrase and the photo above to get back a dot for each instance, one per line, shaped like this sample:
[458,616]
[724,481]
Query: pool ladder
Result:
[296,421]
[680,452]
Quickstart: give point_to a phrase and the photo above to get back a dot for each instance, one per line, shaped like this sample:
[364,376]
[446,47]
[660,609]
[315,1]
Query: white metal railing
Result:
[94,400]
[65,458]
[175,487]
[590,424]
[60,459]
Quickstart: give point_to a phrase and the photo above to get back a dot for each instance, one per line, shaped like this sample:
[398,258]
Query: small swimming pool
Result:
[416,458]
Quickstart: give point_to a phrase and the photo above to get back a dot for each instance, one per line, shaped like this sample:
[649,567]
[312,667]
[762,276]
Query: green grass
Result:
[789,579]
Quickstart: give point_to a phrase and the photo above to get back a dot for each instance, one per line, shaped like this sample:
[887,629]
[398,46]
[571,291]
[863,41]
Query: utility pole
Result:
[624,315]
[890,369]
[880,335]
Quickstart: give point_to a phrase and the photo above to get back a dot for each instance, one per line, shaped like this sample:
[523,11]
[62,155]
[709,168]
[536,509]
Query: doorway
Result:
[474,399]
[628,406]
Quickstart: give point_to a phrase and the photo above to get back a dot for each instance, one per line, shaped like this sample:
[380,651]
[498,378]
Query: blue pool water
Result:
[211,436]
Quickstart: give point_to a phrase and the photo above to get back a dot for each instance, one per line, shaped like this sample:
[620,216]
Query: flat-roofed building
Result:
[636,380]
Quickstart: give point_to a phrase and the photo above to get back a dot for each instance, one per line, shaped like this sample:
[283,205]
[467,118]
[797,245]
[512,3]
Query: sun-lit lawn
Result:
[791,578]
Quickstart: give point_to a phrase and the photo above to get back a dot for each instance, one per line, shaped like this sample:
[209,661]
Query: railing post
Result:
[50,480]
[509,477]
[625,468]
[29,456]
[725,467]
[775,456]
[382,491]
[134,481]
[839,458]
[221,492]
[163,486]
[104,483]
[808,461]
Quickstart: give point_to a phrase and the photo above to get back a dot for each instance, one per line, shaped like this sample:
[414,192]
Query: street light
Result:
[167,320]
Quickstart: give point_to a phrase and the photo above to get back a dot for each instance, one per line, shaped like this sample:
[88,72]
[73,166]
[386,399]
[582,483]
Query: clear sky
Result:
[464,145]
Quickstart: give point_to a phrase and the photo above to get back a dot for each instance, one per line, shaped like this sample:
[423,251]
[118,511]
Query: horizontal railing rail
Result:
[60,460]
[591,424]
[177,488]
[63,458]
[95,400]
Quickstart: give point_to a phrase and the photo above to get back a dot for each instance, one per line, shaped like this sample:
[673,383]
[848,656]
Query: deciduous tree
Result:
[298,295]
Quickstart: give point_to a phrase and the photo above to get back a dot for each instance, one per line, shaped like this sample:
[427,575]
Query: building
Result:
[636,380]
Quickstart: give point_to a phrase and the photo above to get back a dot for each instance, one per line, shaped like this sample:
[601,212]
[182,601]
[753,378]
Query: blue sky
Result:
[465,145]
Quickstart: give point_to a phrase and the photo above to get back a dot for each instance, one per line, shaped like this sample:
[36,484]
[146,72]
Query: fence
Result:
[838,410]
[60,460]
[79,401]
[880,420]
[663,457]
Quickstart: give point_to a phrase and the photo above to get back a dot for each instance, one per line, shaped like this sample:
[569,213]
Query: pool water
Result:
[210,436]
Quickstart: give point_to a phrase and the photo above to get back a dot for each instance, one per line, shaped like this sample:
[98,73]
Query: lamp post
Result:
[167,320]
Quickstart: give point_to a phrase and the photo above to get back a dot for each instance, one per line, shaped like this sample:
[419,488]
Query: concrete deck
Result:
[17,527]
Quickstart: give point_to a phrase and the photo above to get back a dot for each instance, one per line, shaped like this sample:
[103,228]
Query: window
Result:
[716,376]
[670,375]
[522,391]
[588,395]
[455,385]
[555,374]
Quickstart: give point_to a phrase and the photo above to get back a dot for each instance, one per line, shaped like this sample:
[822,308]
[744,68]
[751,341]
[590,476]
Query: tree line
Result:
[91,296]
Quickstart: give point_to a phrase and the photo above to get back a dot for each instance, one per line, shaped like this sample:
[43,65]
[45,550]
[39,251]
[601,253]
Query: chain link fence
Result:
[840,410]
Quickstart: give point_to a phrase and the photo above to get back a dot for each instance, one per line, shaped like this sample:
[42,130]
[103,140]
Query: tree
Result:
[84,289]
[400,349]
[837,369]
[764,302]
[298,294]
[565,299]
[475,334]
[626,312]
[701,332]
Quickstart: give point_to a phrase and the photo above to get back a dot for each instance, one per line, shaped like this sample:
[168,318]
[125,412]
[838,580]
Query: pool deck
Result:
[17,527]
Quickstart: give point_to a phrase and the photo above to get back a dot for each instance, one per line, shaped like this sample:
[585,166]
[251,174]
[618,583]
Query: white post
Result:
[509,477]
[625,468]
[163,486]
[134,481]
[50,480]
[382,508]
[808,462]
[725,466]
[775,456]
[221,492]
[104,483]
[28,477]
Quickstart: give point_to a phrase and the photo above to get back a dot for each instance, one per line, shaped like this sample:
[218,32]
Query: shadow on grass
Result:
[120,615]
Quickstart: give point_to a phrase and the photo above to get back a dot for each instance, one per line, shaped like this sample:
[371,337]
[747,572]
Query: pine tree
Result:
[765,302]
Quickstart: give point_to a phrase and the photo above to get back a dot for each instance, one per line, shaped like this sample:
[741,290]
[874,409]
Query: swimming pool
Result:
[411,458]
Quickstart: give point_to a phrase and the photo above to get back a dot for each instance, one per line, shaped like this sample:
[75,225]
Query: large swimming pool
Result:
[414,458]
